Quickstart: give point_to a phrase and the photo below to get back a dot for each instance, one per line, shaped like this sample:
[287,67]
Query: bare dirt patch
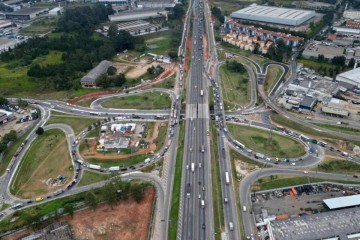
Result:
[126,221]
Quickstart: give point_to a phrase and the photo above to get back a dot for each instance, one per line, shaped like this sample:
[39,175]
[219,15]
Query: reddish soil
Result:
[206,53]
[91,95]
[126,221]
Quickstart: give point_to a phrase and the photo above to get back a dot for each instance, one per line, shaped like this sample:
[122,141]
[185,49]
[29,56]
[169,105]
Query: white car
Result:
[293,164]
[306,172]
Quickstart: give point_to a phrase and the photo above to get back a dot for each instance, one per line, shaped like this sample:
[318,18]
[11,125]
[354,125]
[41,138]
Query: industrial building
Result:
[5,24]
[56,11]
[276,15]
[351,14]
[156,3]
[138,15]
[339,224]
[351,77]
[335,112]
[342,202]
[307,103]
[138,27]
[89,80]
[115,2]
[26,14]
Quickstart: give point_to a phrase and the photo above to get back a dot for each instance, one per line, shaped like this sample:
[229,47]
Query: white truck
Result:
[193,167]
[227,178]
[114,168]
[94,167]
[203,203]
[201,92]
[147,160]
[231,226]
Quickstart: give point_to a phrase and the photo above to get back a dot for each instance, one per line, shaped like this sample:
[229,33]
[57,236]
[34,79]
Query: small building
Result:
[103,129]
[89,80]
[335,112]
[114,144]
[5,24]
[3,118]
[351,77]
[342,202]
[307,103]
[26,14]
[56,11]
[138,15]
[122,3]
[9,115]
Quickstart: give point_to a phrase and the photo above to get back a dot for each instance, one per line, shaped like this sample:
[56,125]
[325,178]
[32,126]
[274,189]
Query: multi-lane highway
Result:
[196,200]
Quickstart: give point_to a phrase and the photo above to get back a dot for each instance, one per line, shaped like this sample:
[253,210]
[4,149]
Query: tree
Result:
[351,63]
[111,70]
[39,131]
[338,60]
[119,80]
[10,136]
[321,58]
[69,209]
[3,101]
[178,12]
[137,192]
[113,31]
[90,200]
[22,103]
[108,192]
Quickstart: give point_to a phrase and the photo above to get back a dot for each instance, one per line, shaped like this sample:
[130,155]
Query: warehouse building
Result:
[313,50]
[115,2]
[351,77]
[156,3]
[351,14]
[138,15]
[276,15]
[342,202]
[335,112]
[89,80]
[26,14]
[307,103]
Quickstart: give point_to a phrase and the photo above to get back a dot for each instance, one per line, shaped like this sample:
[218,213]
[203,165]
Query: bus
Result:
[227,178]
[304,138]
[259,155]
[237,143]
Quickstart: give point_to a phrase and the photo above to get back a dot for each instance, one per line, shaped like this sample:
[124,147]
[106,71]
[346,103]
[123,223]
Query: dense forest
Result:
[81,51]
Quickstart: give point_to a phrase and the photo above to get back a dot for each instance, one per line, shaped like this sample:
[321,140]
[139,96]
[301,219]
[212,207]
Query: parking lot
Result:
[308,198]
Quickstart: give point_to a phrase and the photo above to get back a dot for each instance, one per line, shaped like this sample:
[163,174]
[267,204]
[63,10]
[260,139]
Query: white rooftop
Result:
[341,202]
[353,75]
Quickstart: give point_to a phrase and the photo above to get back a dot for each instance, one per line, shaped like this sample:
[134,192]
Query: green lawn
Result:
[219,223]
[311,132]
[93,133]
[77,123]
[338,166]
[140,101]
[89,177]
[319,66]
[48,157]
[54,57]
[175,198]
[339,128]
[121,162]
[85,102]
[160,43]
[287,181]
[41,26]
[161,136]
[235,87]
[168,83]
[257,140]
[273,74]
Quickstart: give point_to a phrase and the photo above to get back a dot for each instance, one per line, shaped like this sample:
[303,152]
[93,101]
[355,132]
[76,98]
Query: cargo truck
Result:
[193,167]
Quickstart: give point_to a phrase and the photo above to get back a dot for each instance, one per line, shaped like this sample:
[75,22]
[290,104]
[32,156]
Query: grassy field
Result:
[216,186]
[48,157]
[338,166]
[160,43]
[236,88]
[273,74]
[85,102]
[278,119]
[339,128]
[161,136]
[77,123]
[121,162]
[41,26]
[168,83]
[257,140]
[175,198]
[140,101]
[315,65]
[10,153]
[287,181]
[260,60]
[89,177]
[93,133]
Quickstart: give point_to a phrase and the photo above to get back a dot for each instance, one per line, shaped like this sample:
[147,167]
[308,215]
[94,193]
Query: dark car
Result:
[355,176]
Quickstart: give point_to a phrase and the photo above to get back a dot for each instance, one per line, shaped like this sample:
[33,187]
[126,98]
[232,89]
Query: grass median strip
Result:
[219,224]
[273,74]
[175,199]
[76,123]
[270,144]
[89,177]
[272,182]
